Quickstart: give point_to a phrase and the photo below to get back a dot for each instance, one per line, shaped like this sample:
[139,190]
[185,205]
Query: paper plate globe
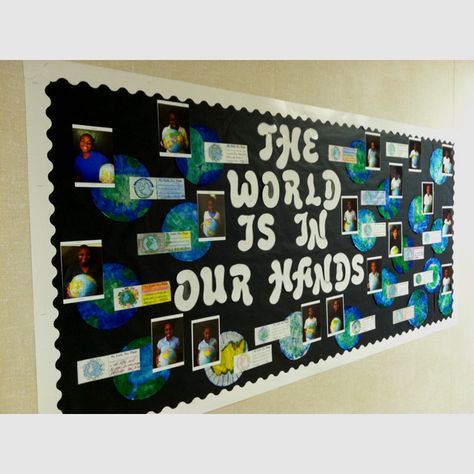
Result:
[434,265]
[101,314]
[115,203]
[344,339]
[292,347]
[173,141]
[445,303]
[223,374]
[143,383]
[436,166]
[418,221]
[391,207]
[364,242]
[82,285]
[388,278]
[439,247]
[195,169]
[418,299]
[399,263]
[357,171]
[185,217]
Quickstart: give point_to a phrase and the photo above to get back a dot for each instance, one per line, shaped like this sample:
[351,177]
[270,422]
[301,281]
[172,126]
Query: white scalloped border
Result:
[38,75]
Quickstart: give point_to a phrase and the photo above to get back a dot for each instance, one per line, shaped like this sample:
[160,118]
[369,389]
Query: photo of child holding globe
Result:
[174,133]
[93,165]
[414,147]
[205,337]
[312,328]
[374,281]
[395,239]
[446,286]
[335,315]
[447,229]
[211,215]
[82,271]
[372,145]
[167,335]
[349,213]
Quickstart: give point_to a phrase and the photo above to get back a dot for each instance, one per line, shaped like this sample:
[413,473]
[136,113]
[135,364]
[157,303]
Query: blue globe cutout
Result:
[364,243]
[195,169]
[143,383]
[181,217]
[436,166]
[418,299]
[445,303]
[344,339]
[392,206]
[439,247]
[388,278]
[418,221]
[101,314]
[435,265]
[115,203]
[357,171]
[292,347]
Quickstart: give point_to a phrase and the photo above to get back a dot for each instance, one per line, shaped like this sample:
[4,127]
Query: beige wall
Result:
[434,374]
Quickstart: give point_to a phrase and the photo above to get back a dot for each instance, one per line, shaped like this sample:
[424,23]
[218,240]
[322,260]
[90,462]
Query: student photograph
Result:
[395,239]
[94,155]
[372,144]
[427,197]
[349,213]
[174,132]
[311,322]
[167,339]
[82,271]
[335,315]
[205,337]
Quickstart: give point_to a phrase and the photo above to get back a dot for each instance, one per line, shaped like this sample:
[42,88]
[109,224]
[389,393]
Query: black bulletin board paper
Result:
[313,269]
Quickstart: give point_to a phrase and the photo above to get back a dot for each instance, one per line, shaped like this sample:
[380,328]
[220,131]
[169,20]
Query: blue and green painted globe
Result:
[181,217]
[364,242]
[388,278]
[357,171]
[418,299]
[399,263]
[436,166]
[445,303]
[434,265]
[100,314]
[392,206]
[419,222]
[143,383]
[195,169]
[439,247]
[115,203]
[292,347]
[82,285]
[344,339]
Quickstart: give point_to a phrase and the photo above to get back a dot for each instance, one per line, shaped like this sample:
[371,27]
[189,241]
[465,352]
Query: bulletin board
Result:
[193,247]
